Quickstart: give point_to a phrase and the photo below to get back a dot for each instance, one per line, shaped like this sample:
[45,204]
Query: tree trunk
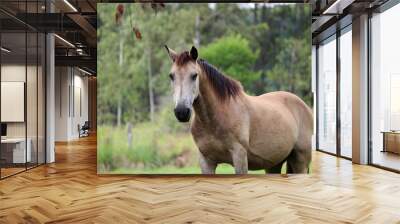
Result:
[263,13]
[119,112]
[151,94]
[197,31]
[130,135]
[255,11]
[119,109]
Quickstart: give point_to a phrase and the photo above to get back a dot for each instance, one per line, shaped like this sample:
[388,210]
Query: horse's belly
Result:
[273,130]
[265,152]
[272,152]
[257,163]
[219,152]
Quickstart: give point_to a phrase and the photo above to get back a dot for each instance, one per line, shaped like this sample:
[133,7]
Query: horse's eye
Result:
[194,76]
[171,76]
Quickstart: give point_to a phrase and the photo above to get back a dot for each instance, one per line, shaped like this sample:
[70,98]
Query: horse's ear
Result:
[193,53]
[172,54]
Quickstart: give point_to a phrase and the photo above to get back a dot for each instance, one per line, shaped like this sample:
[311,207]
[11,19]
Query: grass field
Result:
[154,150]
[221,169]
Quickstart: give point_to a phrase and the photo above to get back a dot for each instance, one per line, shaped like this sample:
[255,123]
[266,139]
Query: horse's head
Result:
[185,82]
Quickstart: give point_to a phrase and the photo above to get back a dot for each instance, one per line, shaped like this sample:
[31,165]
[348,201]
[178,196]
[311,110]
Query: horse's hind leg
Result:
[298,161]
[300,157]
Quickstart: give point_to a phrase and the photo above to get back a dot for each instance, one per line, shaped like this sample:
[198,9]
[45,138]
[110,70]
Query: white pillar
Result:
[360,90]
[314,91]
[50,93]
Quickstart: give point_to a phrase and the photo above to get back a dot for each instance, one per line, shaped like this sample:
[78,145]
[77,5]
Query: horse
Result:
[230,126]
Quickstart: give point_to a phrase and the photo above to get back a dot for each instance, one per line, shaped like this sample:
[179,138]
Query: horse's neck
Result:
[206,105]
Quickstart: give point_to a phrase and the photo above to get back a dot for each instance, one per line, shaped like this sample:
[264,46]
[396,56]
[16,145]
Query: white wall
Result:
[71,87]
[34,124]
[80,88]
[62,81]
[17,73]
[12,100]
[10,72]
[14,73]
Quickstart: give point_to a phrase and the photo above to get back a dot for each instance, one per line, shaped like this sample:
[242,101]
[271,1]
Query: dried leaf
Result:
[119,13]
[120,9]
[138,34]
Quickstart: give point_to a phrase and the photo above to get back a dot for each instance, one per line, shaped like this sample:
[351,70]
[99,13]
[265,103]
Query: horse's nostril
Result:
[182,114]
[185,111]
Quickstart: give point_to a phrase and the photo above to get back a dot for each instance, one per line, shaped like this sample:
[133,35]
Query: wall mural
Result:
[192,88]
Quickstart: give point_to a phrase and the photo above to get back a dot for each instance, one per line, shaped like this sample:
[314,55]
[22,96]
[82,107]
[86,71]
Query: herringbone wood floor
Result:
[69,191]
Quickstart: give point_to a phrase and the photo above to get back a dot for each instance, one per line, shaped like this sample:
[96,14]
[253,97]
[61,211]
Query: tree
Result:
[234,57]
[292,70]
[136,87]
[265,48]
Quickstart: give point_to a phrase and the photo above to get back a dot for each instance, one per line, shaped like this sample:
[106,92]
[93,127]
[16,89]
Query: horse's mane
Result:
[224,86]
[183,58]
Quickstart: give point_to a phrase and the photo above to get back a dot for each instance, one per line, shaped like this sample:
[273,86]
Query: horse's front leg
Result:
[239,158]
[207,166]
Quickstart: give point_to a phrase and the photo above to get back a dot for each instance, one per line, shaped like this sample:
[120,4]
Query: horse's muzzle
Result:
[183,113]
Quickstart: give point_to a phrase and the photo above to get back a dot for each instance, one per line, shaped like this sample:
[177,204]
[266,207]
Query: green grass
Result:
[152,148]
[221,169]
[154,151]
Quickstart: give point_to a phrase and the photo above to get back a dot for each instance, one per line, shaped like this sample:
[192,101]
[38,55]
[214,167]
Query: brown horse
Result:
[248,132]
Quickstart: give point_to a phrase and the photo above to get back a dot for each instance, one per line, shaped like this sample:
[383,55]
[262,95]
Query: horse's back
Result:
[298,108]
[292,102]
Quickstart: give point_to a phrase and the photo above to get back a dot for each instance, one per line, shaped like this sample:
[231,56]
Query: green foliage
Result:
[154,144]
[233,55]
[292,70]
[253,45]
[168,119]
